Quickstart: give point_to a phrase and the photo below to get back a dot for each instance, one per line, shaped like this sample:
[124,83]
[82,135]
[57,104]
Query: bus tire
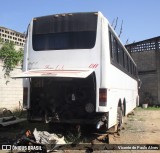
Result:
[119,118]
[124,108]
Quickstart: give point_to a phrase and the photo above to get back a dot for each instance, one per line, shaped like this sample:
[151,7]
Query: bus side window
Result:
[113,48]
[120,55]
[126,61]
[131,67]
[111,40]
[123,58]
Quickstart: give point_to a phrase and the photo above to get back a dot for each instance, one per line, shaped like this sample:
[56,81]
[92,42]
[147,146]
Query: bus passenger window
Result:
[120,55]
[111,40]
[113,48]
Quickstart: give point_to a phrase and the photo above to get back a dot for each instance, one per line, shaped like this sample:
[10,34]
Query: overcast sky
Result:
[140,17]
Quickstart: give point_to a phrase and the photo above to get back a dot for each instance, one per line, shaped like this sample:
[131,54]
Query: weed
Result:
[141,119]
[20,113]
[131,119]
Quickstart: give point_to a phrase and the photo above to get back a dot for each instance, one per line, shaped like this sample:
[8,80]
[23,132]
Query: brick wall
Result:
[12,92]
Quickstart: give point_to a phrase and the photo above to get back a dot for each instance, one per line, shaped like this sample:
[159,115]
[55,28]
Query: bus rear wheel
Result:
[119,118]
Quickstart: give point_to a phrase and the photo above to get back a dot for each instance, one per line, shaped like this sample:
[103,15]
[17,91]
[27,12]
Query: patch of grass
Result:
[149,108]
[152,108]
[130,127]
[141,119]
[131,119]
[20,113]
[138,108]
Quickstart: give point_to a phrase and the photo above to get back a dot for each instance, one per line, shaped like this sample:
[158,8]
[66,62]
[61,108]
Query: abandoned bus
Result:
[76,70]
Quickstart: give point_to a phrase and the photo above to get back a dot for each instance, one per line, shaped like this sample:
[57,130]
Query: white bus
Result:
[76,70]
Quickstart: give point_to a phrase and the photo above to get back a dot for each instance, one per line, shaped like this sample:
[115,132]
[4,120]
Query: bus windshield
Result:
[64,31]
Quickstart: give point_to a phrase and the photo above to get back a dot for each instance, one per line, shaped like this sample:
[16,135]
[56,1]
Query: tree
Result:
[10,57]
[1,40]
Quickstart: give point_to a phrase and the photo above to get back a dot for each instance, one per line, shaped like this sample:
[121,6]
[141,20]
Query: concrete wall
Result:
[158,74]
[149,89]
[12,92]
[148,64]
[146,54]
[146,61]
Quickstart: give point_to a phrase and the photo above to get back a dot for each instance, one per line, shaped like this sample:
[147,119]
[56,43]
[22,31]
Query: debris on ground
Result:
[123,128]
[47,142]
[103,138]
[50,140]
[7,118]
[5,121]
[132,113]
[5,111]
[28,139]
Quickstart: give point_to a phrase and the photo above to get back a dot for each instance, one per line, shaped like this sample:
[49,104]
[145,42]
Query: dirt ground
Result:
[143,127]
[140,127]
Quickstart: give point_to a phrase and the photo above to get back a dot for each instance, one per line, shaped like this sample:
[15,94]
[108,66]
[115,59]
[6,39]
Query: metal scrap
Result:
[5,121]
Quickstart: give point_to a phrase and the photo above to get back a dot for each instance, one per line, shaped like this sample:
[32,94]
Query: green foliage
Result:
[1,40]
[10,57]
[153,108]
[148,108]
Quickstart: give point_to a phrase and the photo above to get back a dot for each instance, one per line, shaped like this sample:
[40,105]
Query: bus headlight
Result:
[89,107]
